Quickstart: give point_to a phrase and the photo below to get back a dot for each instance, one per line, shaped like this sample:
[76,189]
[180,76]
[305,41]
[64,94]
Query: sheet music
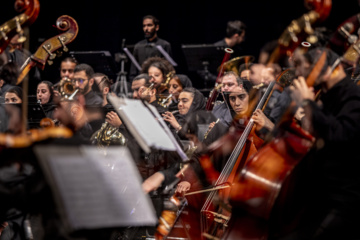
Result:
[179,150]
[132,58]
[94,190]
[166,55]
[142,124]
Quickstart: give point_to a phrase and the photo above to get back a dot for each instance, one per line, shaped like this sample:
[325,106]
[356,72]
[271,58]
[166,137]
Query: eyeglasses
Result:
[80,80]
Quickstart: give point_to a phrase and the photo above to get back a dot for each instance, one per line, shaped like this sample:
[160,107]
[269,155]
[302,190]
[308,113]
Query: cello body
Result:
[262,196]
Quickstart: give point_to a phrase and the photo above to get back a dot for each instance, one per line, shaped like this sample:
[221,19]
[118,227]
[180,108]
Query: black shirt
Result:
[145,49]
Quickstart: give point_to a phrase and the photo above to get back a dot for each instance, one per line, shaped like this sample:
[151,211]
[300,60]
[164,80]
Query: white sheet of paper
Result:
[141,123]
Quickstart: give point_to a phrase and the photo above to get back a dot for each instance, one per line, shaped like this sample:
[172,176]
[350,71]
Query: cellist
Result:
[330,171]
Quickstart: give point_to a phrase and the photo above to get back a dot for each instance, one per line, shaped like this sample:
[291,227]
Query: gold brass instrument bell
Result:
[234,64]
[66,88]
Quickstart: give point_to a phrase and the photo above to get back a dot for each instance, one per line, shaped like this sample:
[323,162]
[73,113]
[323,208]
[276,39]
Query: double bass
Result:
[39,58]
[14,26]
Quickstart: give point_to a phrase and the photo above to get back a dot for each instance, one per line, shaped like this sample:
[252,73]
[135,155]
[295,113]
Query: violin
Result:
[14,26]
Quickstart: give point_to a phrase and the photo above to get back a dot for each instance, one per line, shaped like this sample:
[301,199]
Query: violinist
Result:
[330,176]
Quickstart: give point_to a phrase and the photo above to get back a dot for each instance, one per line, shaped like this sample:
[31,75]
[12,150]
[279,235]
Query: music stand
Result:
[206,57]
[93,190]
[35,113]
[100,61]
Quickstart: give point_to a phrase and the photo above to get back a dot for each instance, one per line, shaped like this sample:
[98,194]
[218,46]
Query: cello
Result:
[215,213]
[12,27]
[263,194]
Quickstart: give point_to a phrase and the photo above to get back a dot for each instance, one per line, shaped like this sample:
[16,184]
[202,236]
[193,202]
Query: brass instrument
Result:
[67,89]
[234,64]
[107,135]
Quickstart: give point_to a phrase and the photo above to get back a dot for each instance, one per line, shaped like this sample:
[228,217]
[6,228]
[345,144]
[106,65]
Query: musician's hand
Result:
[113,119]
[183,187]
[169,117]
[211,125]
[153,182]
[300,113]
[261,120]
[300,91]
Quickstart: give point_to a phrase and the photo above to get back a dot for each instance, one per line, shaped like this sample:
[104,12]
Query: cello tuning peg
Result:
[62,41]
[46,48]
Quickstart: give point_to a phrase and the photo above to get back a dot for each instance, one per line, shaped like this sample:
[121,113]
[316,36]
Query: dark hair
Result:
[89,71]
[238,80]
[9,73]
[314,54]
[234,27]
[153,18]
[245,66]
[247,85]
[50,87]
[142,76]
[190,90]
[106,81]
[17,90]
[162,64]
[177,79]
[70,59]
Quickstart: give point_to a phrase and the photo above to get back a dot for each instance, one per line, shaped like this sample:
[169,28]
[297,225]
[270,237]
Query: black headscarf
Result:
[185,80]
[197,104]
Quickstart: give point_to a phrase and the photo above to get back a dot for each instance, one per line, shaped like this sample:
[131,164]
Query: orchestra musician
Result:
[176,85]
[45,97]
[329,175]
[158,69]
[229,81]
[8,76]
[146,48]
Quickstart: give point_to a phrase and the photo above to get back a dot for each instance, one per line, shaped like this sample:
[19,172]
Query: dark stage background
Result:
[104,24]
